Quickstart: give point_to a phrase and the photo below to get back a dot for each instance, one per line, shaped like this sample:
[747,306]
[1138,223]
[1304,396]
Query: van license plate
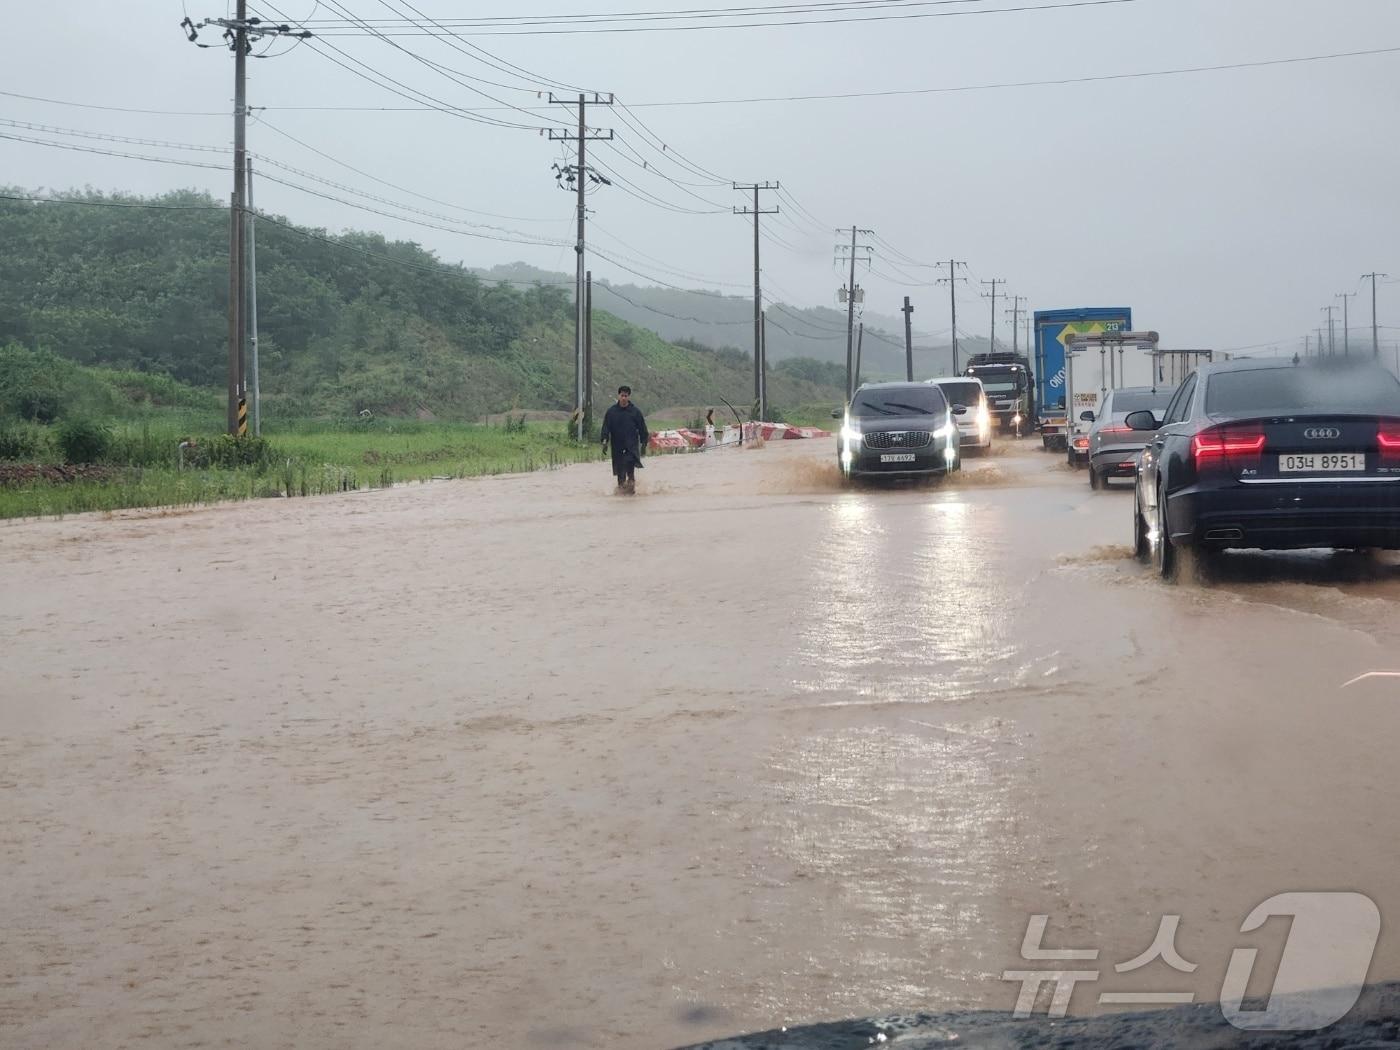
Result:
[897,457]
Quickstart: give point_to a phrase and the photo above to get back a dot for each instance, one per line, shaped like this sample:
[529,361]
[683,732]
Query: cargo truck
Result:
[1010,385]
[1053,329]
[1096,365]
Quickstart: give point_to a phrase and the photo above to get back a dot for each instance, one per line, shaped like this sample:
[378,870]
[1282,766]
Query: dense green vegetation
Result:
[347,322]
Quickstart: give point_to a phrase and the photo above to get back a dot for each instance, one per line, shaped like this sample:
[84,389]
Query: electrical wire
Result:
[264,123]
[675,317]
[595,24]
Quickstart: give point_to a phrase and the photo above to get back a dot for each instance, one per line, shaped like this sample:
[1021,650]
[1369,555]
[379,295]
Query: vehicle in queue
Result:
[1270,454]
[1010,386]
[974,425]
[1115,447]
[899,430]
[1053,330]
[1095,366]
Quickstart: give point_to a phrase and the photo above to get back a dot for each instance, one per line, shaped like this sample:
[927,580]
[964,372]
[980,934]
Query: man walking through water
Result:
[626,431]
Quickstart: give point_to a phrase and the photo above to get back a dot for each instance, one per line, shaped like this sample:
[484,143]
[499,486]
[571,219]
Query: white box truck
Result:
[1096,364]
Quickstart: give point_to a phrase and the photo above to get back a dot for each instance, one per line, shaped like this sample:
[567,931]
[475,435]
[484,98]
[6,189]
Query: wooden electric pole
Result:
[908,312]
[240,33]
[576,177]
[952,281]
[756,211]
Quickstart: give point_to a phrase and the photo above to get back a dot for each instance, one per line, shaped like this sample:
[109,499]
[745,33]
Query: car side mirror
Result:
[837,414]
[1087,417]
[959,410]
[1142,419]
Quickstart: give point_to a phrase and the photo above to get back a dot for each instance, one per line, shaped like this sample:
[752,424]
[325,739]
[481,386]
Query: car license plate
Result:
[897,457]
[1322,463]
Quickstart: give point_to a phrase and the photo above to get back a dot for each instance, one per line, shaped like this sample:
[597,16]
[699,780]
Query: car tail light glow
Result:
[1223,445]
[1081,442]
[1388,437]
[1116,430]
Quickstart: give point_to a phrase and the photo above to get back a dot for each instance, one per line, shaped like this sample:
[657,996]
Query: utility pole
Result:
[240,34]
[993,282]
[576,177]
[952,281]
[851,293]
[1346,298]
[1375,330]
[253,304]
[763,366]
[860,341]
[1015,312]
[1319,342]
[588,350]
[908,340]
[1330,311]
[756,211]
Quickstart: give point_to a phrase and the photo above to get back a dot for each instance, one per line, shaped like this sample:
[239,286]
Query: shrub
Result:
[83,441]
[18,443]
[227,452]
[32,383]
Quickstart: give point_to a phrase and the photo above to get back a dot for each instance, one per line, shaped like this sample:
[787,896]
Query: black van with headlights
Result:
[899,430]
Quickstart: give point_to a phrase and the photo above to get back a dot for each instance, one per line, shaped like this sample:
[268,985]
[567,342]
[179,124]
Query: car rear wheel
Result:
[1160,541]
[1095,479]
[1140,542]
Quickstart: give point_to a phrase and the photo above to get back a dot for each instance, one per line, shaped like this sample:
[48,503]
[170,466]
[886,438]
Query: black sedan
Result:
[1272,454]
[899,429]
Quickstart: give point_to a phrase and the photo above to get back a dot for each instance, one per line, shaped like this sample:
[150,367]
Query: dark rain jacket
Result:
[625,432]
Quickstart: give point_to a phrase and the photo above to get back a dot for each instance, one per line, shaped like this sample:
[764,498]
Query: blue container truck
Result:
[1052,329]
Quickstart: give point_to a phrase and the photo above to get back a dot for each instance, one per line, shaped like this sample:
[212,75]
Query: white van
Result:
[975,425]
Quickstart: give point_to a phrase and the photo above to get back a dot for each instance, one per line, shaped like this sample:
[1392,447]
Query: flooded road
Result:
[517,759]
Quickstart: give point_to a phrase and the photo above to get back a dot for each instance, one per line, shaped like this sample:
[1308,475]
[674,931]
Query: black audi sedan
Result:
[899,429]
[1272,454]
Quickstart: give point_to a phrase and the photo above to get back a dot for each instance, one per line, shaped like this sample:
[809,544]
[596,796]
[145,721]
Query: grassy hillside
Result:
[347,322]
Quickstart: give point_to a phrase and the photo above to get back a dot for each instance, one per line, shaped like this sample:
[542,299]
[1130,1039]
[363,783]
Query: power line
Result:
[652,309]
[676,103]
[263,123]
[1008,85]
[523,28]
[455,76]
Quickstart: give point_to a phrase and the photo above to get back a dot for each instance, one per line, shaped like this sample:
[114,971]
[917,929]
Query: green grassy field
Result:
[304,459]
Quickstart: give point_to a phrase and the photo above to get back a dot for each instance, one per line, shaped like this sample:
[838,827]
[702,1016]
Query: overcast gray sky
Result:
[1226,208]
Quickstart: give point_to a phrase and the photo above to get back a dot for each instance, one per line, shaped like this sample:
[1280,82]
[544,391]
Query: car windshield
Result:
[1125,401]
[884,402]
[1267,391]
[999,386]
[962,393]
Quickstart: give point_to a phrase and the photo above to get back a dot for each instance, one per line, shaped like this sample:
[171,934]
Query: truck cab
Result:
[1010,387]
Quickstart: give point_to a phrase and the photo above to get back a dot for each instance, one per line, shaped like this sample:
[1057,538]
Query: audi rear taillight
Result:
[1388,438]
[1223,445]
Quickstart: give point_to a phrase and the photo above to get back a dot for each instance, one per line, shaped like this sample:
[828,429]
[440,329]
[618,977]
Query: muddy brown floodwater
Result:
[517,759]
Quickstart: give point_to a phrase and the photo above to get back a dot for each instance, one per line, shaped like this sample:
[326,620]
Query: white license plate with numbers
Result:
[1322,463]
[897,457]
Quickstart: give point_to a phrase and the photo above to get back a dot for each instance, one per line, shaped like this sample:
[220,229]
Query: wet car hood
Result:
[886,424]
[1373,1022]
